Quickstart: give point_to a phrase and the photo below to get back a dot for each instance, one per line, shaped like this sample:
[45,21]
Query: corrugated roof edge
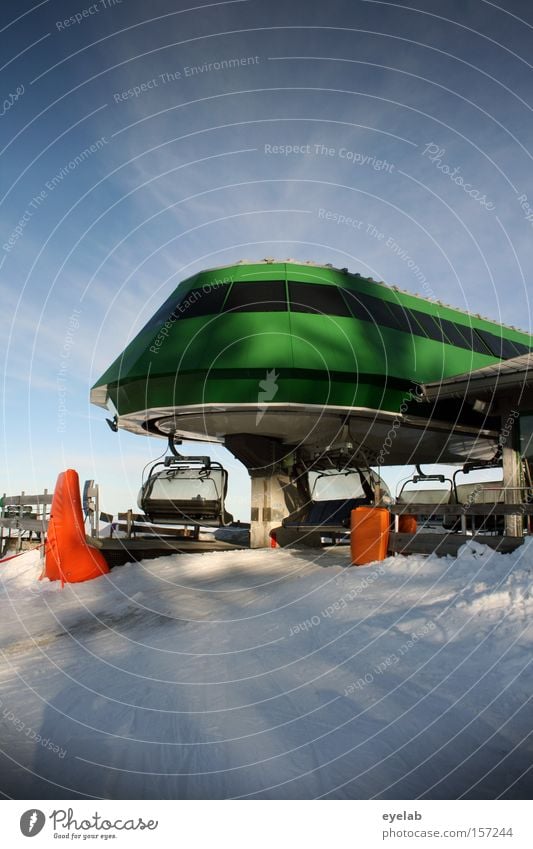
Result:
[393,287]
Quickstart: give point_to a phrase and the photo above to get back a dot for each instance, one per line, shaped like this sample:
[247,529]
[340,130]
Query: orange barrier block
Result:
[68,557]
[369,534]
[407,524]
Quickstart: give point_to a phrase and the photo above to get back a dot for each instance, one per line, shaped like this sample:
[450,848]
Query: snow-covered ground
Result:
[270,674]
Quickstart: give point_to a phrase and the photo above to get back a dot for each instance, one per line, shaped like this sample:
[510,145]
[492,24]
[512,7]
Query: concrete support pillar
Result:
[512,475]
[271,502]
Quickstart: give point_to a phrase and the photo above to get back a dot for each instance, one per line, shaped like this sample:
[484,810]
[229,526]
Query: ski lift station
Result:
[304,371]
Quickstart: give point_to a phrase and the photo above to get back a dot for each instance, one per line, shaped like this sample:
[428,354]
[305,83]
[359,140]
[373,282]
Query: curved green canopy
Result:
[288,351]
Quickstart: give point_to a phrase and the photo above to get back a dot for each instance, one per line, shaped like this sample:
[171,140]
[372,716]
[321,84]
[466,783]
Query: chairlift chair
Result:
[328,512]
[427,496]
[468,494]
[183,490]
[422,477]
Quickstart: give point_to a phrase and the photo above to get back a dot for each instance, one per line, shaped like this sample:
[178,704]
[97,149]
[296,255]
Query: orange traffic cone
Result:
[68,557]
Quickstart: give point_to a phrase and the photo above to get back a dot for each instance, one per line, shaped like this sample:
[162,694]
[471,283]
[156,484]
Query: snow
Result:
[270,674]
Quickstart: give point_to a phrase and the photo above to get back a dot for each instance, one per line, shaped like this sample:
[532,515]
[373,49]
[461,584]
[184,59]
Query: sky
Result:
[141,143]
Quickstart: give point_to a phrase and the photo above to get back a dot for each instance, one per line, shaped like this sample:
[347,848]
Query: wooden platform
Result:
[118,551]
[465,515]
[448,543]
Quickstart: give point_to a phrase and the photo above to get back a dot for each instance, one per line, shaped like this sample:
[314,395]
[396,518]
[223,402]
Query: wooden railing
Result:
[136,523]
[24,518]
[23,514]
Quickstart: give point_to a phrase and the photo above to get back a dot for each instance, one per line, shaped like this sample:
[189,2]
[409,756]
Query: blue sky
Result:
[129,161]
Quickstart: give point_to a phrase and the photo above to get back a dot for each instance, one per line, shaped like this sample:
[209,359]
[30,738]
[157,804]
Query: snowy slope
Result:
[270,674]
